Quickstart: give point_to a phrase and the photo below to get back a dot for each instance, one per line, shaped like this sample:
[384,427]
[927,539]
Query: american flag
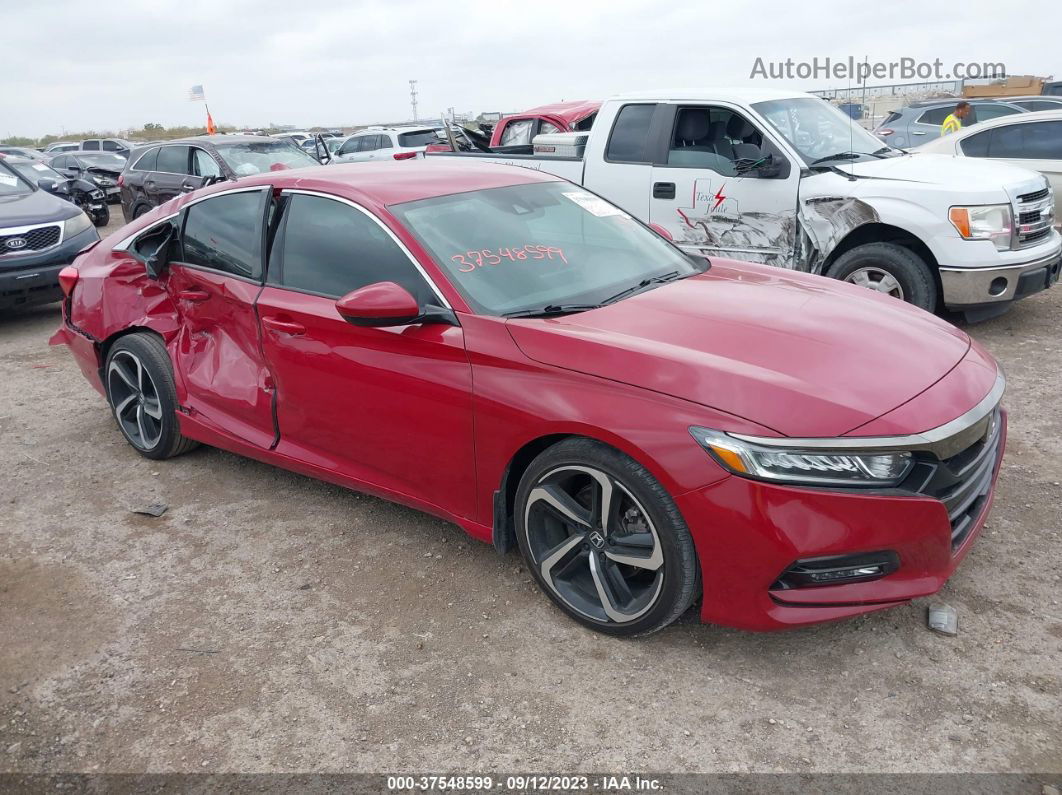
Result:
[195,94]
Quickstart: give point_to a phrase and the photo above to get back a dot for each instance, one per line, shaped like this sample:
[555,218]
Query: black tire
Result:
[143,208]
[910,272]
[657,595]
[134,409]
[103,217]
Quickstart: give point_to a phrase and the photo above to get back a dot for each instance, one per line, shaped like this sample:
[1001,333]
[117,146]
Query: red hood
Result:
[804,355]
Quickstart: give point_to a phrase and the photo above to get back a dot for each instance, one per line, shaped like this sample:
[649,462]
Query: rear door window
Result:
[110,146]
[936,115]
[630,134]
[173,159]
[223,233]
[147,161]
[1027,141]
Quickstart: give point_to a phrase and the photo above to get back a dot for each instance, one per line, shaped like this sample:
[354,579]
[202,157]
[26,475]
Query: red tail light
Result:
[68,277]
[121,180]
[405,155]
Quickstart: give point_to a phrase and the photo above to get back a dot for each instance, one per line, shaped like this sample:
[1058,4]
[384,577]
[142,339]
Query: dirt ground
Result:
[268,622]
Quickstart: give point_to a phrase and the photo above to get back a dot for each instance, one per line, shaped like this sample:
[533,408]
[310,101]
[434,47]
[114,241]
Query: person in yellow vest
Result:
[954,121]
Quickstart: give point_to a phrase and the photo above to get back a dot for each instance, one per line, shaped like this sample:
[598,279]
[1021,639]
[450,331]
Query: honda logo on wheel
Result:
[16,243]
[597,539]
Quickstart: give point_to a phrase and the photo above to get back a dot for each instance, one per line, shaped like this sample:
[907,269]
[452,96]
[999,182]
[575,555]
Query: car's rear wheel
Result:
[888,269]
[604,539]
[140,389]
[139,211]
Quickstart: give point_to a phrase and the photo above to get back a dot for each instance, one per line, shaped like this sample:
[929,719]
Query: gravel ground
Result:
[268,622]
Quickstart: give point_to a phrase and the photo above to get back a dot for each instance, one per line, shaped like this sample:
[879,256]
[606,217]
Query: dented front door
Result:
[214,285]
[711,206]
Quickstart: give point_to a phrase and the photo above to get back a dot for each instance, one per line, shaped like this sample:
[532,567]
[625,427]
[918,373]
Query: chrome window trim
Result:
[124,244]
[945,440]
[420,269]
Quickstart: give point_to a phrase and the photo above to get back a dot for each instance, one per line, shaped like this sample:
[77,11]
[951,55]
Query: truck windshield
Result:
[540,247]
[816,129]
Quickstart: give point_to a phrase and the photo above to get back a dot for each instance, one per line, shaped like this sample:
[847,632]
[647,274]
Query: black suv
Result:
[39,234]
[159,172]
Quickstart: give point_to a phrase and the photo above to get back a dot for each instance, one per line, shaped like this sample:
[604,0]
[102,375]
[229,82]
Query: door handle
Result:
[284,326]
[193,295]
[918,132]
[663,190]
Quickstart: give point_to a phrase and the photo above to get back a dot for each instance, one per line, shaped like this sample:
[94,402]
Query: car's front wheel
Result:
[604,539]
[140,389]
[890,269]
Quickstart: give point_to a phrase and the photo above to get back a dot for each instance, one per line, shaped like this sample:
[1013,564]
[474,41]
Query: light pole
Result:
[413,97]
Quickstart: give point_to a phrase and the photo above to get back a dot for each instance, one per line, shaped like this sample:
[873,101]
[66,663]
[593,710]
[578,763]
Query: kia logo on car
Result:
[16,243]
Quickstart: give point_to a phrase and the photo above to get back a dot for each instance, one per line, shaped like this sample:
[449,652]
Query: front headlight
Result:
[984,222]
[804,467]
[76,225]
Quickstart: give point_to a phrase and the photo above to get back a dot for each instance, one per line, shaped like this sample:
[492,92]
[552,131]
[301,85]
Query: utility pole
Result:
[413,97]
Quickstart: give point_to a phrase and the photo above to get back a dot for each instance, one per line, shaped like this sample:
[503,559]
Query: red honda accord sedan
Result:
[510,352]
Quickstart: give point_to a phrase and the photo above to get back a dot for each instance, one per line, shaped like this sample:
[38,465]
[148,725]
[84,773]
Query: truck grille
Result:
[35,238]
[963,482]
[1036,214]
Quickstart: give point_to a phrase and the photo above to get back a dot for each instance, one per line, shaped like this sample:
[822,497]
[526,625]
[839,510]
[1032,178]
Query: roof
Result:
[396,182]
[934,103]
[569,111]
[738,95]
[212,139]
[403,129]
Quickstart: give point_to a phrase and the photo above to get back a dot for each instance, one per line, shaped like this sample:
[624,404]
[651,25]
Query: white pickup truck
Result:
[786,179]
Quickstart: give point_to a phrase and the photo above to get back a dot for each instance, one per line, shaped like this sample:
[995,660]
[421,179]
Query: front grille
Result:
[963,481]
[1032,237]
[1029,217]
[1032,197]
[36,238]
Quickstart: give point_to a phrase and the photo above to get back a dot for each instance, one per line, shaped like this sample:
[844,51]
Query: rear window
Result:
[418,138]
[630,134]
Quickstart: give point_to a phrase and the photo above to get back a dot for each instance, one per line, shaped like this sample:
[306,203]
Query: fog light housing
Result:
[837,570]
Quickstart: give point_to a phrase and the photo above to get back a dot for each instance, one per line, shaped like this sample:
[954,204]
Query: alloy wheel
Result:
[135,400]
[594,545]
[876,279]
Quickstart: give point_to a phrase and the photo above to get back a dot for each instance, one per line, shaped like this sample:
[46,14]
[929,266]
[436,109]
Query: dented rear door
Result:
[214,285]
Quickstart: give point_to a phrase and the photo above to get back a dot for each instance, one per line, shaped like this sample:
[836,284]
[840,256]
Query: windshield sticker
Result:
[470,260]
[40,167]
[6,180]
[594,204]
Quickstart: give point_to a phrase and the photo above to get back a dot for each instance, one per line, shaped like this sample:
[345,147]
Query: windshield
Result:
[816,129]
[418,138]
[103,160]
[11,184]
[527,247]
[33,170]
[258,157]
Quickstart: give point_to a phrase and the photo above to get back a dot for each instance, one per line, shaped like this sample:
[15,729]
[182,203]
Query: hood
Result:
[957,173]
[38,207]
[105,172]
[803,355]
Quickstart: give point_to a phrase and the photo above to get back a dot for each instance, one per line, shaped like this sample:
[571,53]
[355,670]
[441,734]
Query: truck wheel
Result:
[890,269]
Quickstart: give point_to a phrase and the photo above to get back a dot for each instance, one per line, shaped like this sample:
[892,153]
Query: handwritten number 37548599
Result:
[471,260]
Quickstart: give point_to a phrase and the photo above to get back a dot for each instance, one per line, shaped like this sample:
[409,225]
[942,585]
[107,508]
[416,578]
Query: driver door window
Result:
[714,138]
[204,164]
[329,248]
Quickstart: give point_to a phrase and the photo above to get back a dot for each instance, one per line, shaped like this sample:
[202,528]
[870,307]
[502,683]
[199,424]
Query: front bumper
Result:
[966,289]
[34,278]
[747,533]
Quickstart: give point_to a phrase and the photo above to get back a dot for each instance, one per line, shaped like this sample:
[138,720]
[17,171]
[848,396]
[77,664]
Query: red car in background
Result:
[520,129]
[503,349]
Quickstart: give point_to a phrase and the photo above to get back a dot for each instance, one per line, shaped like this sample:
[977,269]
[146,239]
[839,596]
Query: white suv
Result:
[386,143]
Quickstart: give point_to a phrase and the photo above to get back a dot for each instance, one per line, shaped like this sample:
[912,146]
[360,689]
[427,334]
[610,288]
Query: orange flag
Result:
[211,128]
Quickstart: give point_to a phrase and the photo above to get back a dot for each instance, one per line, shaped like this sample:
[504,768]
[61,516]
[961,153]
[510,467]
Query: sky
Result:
[123,64]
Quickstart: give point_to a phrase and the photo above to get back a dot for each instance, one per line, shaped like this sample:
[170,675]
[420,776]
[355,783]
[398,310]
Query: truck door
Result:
[723,187]
[621,173]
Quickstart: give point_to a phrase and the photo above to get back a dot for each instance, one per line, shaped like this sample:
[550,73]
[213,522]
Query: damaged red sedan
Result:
[505,350]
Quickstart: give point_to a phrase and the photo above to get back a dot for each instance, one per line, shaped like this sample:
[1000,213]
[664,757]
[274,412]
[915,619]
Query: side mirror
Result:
[46,184]
[662,231]
[377,305]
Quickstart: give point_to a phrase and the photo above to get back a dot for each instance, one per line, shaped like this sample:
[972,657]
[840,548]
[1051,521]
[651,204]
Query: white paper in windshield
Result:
[40,167]
[6,180]
[595,204]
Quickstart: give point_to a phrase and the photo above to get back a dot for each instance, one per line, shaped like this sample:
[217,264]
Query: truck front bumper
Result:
[986,292]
